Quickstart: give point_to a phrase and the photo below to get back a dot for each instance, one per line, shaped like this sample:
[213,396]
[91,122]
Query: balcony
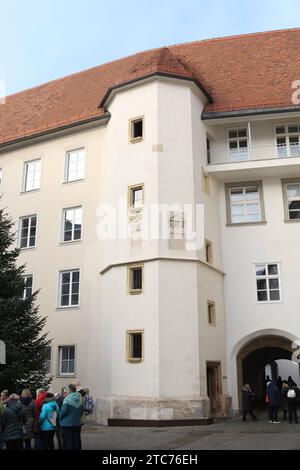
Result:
[253,161]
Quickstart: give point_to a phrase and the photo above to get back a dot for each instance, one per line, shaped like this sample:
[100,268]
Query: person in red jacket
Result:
[40,398]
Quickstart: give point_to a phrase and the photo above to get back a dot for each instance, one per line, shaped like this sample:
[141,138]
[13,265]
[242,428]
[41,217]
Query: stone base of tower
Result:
[163,412]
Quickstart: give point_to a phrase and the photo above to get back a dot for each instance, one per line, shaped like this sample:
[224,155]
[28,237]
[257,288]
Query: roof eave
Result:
[209,115]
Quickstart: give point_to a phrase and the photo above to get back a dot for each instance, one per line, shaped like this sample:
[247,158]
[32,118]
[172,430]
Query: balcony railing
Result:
[223,154]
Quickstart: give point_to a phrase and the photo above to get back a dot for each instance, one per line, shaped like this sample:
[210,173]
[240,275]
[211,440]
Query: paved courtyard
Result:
[232,434]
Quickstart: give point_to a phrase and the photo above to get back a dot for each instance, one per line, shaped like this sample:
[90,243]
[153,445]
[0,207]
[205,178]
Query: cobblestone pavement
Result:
[232,434]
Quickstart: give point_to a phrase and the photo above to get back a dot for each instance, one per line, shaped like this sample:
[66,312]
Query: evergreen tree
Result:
[21,327]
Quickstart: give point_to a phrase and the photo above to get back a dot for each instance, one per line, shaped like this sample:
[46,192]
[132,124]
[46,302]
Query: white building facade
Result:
[159,332]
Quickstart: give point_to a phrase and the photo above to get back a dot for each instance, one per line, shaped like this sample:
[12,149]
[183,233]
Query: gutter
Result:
[46,132]
[248,112]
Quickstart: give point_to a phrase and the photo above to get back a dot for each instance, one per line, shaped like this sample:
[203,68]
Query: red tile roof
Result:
[238,72]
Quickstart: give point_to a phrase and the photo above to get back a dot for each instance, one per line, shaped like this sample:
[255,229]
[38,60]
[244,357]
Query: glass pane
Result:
[273,284]
[232,134]
[236,195]
[262,296]
[274,295]
[280,130]
[233,145]
[272,269]
[64,367]
[75,299]
[64,300]
[65,278]
[75,276]
[261,284]
[293,190]
[65,353]
[252,194]
[260,270]
[294,205]
[293,129]
[65,289]
[253,209]
[242,133]
[243,144]
[294,215]
[238,209]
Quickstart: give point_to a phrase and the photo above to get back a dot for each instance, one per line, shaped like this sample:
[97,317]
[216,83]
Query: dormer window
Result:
[136,130]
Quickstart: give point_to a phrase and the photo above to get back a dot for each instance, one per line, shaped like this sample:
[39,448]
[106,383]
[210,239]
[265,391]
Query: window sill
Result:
[136,140]
[30,191]
[269,302]
[291,221]
[29,248]
[246,224]
[134,361]
[71,242]
[63,376]
[135,292]
[74,181]
[68,308]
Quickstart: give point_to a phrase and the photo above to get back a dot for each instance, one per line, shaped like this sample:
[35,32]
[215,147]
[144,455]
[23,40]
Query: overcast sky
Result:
[41,40]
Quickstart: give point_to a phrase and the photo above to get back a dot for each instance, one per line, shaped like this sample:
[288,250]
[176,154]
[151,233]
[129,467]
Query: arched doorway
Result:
[253,358]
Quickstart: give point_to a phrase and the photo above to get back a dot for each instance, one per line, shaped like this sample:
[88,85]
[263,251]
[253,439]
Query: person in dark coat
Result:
[285,407]
[291,382]
[273,399]
[279,383]
[13,420]
[291,394]
[30,409]
[247,396]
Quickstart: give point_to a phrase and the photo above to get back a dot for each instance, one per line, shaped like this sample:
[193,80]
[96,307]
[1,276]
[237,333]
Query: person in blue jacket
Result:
[70,419]
[48,419]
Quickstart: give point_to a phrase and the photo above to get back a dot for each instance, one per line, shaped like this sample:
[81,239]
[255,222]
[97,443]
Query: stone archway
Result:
[255,355]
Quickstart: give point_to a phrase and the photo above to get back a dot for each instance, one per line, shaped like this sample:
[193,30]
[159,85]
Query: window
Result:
[48,360]
[28,286]
[136,129]
[69,288]
[205,183]
[72,224]
[291,196]
[75,168]
[67,360]
[267,282]
[32,175]
[135,346]
[136,197]
[135,278]
[211,310]
[287,140]
[208,149]
[238,145]
[28,227]
[208,252]
[244,203]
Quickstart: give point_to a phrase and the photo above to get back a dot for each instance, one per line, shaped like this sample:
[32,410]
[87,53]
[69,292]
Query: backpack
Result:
[291,393]
[89,405]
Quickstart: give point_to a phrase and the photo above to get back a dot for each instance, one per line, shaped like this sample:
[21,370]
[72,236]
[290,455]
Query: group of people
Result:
[279,394]
[32,423]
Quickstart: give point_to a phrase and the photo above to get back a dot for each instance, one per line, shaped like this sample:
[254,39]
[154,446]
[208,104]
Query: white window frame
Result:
[67,165]
[245,203]
[66,374]
[287,136]
[71,271]
[25,277]
[28,247]
[238,139]
[25,175]
[64,210]
[267,277]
